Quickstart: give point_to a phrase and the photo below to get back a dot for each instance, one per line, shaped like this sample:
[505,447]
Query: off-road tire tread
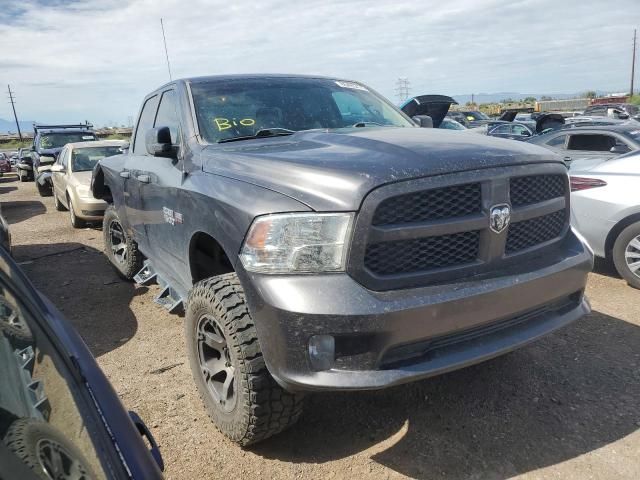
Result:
[43,190]
[135,258]
[268,409]
[20,435]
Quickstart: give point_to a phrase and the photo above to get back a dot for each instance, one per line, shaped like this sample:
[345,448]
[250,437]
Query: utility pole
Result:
[13,106]
[633,62]
[402,89]
[166,52]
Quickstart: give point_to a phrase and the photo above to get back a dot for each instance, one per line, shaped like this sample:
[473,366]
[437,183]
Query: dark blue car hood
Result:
[334,170]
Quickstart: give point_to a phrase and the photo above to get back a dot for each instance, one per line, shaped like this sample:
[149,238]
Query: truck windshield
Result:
[84,159]
[234,108]
[59,140]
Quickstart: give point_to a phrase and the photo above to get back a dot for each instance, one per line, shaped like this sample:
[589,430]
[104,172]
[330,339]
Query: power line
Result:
[13,106]
[403,88]
[166,52]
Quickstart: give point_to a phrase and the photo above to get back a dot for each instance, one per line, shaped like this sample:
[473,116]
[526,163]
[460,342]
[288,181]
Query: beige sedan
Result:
[71,177]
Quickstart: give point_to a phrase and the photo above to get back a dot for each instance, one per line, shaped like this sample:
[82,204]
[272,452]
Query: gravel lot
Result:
[566,407]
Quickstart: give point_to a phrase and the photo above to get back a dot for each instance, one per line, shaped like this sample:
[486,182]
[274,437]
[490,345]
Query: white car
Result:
[605,209]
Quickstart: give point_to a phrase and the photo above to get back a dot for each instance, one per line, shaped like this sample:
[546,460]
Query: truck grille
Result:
[424,231]
[529,233]
[391,258]
[447,202]
[536,188]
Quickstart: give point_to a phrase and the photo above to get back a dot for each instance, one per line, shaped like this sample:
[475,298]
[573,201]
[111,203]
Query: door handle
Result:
[144,178]
[125,174]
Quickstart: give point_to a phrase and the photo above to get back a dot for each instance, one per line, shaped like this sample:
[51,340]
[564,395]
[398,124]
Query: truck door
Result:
[160,194]
[134,171]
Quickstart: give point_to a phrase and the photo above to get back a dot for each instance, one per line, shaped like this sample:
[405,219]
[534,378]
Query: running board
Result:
[168,297]
[146,275]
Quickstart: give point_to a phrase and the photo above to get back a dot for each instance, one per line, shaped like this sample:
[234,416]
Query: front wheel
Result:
[626,254]
[75,221]
[120,248]
[44,190]
[23,175]
[46,451]
[241,396]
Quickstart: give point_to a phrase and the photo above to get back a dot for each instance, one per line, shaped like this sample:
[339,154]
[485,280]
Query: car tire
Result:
[44,190]
[13,326]
[57,203]
[123,255]
[75,221]
[46,450]
[257,407]
[626,251]
[22,175]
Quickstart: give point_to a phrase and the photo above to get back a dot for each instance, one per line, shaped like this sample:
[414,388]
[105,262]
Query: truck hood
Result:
[334,170]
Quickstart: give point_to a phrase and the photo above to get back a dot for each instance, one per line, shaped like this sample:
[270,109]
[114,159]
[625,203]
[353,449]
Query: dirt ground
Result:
[566,407]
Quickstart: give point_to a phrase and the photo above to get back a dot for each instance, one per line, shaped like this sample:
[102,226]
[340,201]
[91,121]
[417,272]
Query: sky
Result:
[94,60]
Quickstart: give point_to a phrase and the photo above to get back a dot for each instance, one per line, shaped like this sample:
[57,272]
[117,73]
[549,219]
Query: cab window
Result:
[591,142]
[145,123]
[167,115]
[502,130]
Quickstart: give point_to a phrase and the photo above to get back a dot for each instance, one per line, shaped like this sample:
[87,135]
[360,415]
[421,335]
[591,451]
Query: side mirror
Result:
[33,148]
[524,133]
[424,121]
[125,147]
[619,149]
[57,168]
[158,143]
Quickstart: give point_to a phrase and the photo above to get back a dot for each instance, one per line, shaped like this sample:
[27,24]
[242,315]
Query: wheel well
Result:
[207,258]
[99,189]
[615,231]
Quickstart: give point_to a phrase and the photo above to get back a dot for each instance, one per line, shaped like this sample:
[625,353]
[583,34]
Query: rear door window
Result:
[591,142]
[502,130]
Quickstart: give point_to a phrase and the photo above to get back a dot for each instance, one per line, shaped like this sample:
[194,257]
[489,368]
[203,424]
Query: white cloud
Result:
[96,59]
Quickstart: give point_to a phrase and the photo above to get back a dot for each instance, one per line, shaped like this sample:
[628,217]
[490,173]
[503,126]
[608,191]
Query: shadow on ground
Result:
[82,284]
[16,212]
[570,393]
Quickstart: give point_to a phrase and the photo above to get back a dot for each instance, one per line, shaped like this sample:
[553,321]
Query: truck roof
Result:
[41,128]
[240,76]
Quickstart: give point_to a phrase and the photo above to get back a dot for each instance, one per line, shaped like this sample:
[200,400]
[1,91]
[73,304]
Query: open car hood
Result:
[436,106]
[549,121]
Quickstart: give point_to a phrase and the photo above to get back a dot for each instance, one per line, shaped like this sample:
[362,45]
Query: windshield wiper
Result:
[364,124]
[262,133]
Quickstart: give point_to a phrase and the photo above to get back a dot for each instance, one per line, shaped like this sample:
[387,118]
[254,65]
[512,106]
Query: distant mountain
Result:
[497,97]
[9,126]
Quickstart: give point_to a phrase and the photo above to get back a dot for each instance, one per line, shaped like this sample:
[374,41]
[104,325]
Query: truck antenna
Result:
[166,52]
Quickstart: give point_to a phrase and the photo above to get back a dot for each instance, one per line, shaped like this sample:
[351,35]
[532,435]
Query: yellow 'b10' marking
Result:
[225,123]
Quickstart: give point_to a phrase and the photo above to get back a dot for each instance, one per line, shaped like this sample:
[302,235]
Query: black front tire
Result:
[130,262]
[261,408]
[44,190]
[46,450]
[23,175]
[626,250]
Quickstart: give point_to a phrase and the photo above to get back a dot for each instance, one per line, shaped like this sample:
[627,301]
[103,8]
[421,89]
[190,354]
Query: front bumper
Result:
[392,337]
[89,208]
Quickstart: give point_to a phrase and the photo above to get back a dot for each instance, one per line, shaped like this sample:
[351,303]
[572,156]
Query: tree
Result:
[635,100]
[545,98]
[508,100]
[530,100]
[590,94]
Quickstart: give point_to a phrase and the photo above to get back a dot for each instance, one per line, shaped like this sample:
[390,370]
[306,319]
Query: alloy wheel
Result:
[118,242]
[216,365]
[58,463]
[632,256]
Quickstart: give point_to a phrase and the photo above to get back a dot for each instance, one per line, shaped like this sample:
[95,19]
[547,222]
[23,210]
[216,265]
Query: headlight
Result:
[297,243]
[84,191]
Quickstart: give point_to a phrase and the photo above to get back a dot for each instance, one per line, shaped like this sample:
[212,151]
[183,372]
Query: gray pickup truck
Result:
[318,239]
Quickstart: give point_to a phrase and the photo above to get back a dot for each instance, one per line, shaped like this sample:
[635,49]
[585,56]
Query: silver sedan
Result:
[605,207]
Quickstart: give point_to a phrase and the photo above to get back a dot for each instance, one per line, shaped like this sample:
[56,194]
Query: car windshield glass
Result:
[84,159]
[234,108]
[452,125]
[59,140]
